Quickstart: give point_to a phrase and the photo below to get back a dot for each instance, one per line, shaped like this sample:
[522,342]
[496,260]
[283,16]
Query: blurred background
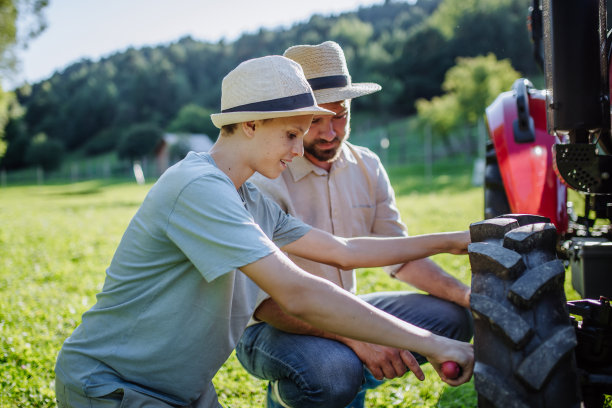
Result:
[124,89]
[98,95]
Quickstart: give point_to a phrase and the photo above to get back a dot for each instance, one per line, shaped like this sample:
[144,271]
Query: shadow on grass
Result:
[89,187]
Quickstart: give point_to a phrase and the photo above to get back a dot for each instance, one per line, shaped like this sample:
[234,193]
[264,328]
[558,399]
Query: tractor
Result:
[533,348]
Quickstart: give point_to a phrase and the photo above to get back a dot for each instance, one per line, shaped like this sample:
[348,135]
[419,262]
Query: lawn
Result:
[56,241]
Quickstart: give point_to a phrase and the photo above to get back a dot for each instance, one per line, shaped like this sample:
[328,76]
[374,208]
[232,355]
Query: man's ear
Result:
[248,128]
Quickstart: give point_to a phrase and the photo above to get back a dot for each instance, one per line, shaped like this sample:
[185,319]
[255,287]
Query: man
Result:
[342,189]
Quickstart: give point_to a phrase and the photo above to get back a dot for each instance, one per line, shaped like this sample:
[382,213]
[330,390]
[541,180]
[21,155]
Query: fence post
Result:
[428,146]
[106,169]
[138,173]
[3,178]
[384,145]
[479,162]
[74,172]
[40,175]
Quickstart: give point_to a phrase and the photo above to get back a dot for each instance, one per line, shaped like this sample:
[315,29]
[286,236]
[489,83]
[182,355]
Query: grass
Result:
[56,242]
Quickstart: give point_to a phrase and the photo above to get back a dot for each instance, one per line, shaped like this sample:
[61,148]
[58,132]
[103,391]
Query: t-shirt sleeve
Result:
[288,228]
[210,224]
[284,228]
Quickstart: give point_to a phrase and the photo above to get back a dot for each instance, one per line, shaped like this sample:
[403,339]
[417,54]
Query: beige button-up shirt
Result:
[353,199]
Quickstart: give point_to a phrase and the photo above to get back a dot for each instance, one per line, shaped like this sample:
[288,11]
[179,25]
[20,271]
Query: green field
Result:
[56,242]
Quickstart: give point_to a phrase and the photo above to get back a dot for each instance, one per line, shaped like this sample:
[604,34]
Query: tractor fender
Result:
[516,123]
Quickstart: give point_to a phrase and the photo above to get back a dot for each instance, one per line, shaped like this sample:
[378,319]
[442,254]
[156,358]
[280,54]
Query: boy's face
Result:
[280,140]
[326,134]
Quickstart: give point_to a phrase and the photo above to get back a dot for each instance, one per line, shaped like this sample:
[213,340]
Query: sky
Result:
[92,29]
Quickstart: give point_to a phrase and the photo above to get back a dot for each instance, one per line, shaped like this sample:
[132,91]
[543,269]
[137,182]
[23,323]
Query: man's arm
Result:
[426,275]
[330,308]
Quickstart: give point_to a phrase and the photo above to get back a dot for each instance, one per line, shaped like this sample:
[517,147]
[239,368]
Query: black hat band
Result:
[333,81]
[287,103]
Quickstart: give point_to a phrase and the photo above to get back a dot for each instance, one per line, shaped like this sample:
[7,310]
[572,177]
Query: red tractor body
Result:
[526,167]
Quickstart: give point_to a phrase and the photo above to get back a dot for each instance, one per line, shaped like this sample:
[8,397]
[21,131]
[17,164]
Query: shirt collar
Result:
[300,167]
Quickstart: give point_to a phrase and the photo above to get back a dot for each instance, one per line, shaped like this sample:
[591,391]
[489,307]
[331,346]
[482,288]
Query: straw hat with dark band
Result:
[325,68]
[264,88]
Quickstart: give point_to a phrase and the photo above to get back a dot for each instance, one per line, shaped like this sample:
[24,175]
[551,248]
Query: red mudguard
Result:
[527,167]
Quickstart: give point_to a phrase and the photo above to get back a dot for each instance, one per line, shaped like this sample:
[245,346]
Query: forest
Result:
[95,107]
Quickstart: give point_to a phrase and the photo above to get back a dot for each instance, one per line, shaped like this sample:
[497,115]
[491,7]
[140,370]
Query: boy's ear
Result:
[248,128]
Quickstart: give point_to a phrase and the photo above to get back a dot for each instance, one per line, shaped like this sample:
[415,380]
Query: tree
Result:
[29,13]
[12,11]
[470,87]
[193,119]
[45,153]
[139,140]
[351,31]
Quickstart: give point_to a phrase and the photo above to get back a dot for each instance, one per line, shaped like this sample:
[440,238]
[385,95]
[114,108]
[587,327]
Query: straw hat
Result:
[325,68]
[264,88]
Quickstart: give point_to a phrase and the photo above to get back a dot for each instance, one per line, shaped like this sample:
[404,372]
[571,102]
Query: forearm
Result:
[372,252]
[332,309]
[364,252]
[426,275]
[350,318]
[270,312]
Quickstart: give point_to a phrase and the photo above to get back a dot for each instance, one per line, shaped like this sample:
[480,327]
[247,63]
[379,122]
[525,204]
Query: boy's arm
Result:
[382,361]
[364,252]
[330,308]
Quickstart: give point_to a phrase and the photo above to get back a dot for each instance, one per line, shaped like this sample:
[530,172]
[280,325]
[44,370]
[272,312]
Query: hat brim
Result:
[352,91]
[222,119]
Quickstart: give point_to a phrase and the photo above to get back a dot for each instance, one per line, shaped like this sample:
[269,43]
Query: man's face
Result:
[327,133]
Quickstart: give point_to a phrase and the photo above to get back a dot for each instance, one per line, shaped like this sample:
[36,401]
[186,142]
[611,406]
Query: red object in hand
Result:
[451,369]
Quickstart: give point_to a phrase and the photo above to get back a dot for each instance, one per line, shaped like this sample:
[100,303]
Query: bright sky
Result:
[96,28]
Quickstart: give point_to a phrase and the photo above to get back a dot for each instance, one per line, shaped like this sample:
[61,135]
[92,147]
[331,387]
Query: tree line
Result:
[91,107]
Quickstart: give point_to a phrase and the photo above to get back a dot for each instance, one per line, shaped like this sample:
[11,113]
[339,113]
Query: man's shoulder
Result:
[361,153]
[276,189]
[264,183]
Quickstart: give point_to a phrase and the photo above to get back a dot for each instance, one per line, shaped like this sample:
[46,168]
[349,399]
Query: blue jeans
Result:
[317,372]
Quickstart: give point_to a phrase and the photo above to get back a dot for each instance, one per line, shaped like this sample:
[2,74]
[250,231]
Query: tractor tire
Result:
[523,338]
[495,198]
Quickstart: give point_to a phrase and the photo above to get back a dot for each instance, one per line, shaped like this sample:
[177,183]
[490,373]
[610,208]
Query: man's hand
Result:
[385,362]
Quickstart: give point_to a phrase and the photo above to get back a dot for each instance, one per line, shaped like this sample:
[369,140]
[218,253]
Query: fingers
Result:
[389,368]
[465,373]
[412,364]
[398,366]
[394,364]
[376,372]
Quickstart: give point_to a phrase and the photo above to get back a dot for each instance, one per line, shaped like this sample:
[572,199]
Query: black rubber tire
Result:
[495,198]
[523,338]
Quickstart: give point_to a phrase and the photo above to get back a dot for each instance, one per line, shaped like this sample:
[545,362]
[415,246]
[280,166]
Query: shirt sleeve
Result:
[210,224]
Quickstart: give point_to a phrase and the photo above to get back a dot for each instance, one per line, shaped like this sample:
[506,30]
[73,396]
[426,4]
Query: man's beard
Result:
[327,155]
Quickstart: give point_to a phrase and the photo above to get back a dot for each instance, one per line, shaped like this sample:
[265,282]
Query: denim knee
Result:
[335,386]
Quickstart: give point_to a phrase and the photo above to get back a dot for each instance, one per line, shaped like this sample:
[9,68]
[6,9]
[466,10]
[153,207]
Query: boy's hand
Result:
[462,354]
[459,242]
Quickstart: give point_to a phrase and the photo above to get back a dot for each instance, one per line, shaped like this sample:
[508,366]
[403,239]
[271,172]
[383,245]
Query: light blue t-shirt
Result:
[173,305]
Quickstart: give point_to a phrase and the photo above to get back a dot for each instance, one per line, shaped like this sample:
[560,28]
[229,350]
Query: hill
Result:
[405,46]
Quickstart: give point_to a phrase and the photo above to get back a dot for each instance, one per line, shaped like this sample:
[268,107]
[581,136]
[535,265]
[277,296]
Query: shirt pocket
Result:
[362,218]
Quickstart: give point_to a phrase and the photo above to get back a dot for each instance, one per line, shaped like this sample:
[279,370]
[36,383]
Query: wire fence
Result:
[399,145]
